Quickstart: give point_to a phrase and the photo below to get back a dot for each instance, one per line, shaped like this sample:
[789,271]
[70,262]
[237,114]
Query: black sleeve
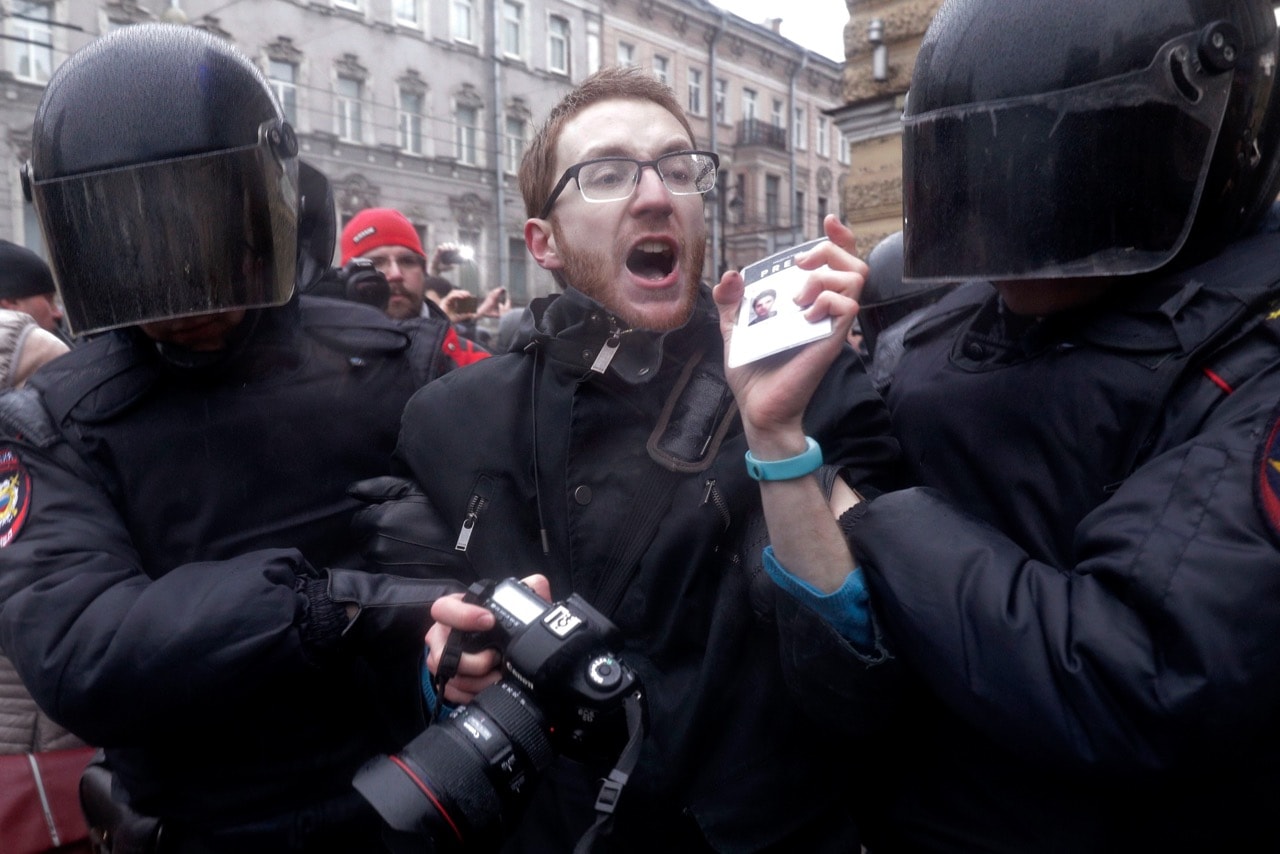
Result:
[112,653]
[1157,647]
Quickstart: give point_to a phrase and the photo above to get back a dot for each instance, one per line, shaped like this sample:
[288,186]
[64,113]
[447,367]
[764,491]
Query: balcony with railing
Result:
[757,132]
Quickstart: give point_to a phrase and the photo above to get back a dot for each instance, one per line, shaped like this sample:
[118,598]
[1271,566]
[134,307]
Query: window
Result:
[824,136]
[284,82]
[347,119]
[695,92]
[722,100]
[777,113]
[408,12]
[514,144]
[517,282]
[462,20]
[662,69]
[772,190]
[822,212]
[32,237]
[749,105]
[797,216]
[799,130]
[512,28]
[32,39]
[558,44]
[842,149]
[626,54]
[411,108]
[469,274]
[467,120]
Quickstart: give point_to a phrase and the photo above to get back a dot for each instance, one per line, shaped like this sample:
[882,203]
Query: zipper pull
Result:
[478,501]
[607,352]
[464,536]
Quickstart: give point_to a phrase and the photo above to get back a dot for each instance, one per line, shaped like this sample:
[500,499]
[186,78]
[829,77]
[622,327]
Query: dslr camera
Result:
[357,281]
[463,782]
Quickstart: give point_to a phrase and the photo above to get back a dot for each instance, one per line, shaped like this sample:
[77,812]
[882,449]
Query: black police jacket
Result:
[536,440]
[157,527]
[1088,582]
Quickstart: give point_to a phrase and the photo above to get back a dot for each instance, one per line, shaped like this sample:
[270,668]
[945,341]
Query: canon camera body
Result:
[462,783]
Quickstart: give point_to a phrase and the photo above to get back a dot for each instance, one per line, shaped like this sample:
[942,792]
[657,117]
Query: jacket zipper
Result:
[609,349]
[475,505]
[711,495]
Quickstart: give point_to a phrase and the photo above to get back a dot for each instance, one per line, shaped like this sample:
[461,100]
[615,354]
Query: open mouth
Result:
[653,260]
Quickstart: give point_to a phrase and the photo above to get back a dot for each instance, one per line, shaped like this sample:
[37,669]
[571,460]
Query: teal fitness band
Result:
[789,469]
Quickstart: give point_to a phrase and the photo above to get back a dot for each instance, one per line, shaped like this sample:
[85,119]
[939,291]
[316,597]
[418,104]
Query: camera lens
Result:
[463,780]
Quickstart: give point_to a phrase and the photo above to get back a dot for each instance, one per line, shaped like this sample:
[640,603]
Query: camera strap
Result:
[453,647]
[611,786]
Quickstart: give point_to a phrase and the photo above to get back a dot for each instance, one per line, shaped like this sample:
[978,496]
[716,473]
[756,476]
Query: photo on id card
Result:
[769,321]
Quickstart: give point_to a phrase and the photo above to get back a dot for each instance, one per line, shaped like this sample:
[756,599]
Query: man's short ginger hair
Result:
[629,83]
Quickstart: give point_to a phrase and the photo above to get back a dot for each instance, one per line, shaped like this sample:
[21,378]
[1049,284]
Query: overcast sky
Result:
[816,24]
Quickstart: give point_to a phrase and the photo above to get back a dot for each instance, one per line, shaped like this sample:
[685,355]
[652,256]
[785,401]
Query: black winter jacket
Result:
[536,440]
[1088,583]
[150,573]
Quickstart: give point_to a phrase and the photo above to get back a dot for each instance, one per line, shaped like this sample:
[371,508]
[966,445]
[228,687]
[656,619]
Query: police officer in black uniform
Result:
[175,490]
[1088,587]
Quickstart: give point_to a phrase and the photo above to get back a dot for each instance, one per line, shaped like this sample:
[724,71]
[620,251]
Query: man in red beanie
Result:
[386,237]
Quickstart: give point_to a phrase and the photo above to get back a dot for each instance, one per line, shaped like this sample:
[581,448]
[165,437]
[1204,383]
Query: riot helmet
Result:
[1045,139]
[167,182]
[886,298]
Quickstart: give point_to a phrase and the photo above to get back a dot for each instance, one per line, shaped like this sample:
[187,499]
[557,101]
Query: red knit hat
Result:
[374,227]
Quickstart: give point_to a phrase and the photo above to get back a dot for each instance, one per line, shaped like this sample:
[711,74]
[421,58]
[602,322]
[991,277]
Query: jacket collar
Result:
[1146,316]
[579,333]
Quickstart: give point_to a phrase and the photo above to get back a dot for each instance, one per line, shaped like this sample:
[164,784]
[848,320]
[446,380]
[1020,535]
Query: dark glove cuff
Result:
[850,518]
[324,620]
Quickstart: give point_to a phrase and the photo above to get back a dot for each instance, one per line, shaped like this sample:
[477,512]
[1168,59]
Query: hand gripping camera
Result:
[358,281]
[463,782]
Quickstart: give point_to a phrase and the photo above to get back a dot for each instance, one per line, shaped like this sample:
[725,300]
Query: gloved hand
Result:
[400,532]
[385,609]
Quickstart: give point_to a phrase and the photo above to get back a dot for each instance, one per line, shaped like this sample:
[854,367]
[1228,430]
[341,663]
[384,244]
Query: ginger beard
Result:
[592,273]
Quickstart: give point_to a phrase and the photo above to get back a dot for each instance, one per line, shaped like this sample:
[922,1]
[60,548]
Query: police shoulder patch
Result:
[1268,473]
[15,495]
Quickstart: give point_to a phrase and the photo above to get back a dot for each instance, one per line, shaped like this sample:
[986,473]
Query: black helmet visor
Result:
[174,238]
[1073,183]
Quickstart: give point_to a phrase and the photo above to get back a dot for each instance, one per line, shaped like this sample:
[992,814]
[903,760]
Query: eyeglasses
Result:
[612,179]
[405,261]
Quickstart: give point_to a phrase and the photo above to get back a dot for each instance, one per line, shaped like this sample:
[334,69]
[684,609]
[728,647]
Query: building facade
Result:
[426,105]
[759,100]
[882,39]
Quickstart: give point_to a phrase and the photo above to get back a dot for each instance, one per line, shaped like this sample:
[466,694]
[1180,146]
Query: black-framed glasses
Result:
[612,179]
[404,260]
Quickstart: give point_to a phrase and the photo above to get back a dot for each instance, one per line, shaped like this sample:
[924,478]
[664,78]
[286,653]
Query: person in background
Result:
[179,580]
[888,307]
[615,467]
[387,238]
[469,314]
[1085,584]
[26,285]
[24,728]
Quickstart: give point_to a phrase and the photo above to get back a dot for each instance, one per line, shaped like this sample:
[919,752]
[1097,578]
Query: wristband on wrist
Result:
[789,469]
